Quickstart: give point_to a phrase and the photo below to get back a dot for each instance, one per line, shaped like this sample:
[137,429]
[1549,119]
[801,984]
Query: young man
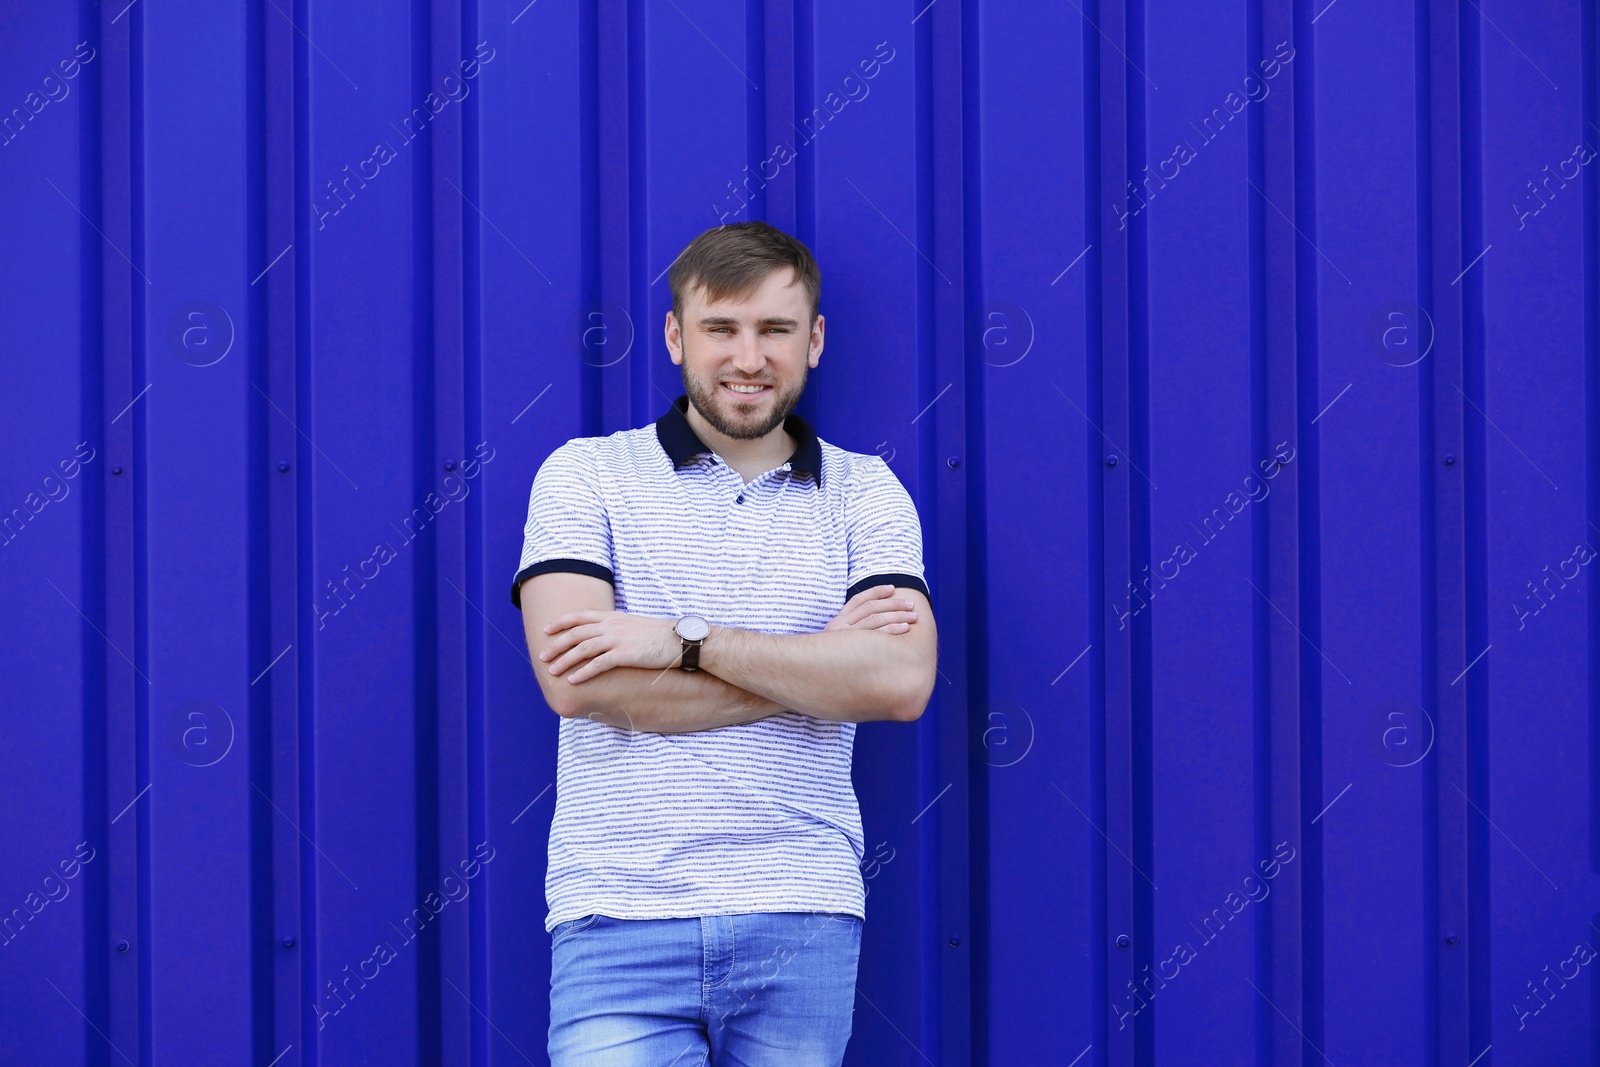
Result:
[712,602]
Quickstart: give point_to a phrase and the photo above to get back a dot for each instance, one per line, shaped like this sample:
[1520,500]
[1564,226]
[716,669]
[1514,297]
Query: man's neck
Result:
[749,458]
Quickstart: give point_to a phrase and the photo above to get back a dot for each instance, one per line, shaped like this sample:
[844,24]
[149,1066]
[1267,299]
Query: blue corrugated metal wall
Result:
[1241,359]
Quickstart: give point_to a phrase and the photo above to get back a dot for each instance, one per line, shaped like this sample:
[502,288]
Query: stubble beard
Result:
[707,399]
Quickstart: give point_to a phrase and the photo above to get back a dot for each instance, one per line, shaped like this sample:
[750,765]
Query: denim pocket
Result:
[573,926]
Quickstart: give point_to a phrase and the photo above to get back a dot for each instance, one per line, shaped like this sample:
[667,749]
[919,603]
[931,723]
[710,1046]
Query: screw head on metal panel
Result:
[288,942]
[1451,939]
[953,462]
[1111,461]
[283,466]
[116,470]
[1123,940]
[955,942]
[122,946]
[450,466]
[1449,459]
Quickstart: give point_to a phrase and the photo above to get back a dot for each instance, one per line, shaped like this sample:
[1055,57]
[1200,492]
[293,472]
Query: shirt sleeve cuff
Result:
[575,566]
[910,581]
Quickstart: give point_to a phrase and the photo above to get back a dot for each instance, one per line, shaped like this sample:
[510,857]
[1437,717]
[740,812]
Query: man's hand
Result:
[609,639]
[875,609]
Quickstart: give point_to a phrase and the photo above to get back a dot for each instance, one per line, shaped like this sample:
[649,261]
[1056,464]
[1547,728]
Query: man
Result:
[712,603]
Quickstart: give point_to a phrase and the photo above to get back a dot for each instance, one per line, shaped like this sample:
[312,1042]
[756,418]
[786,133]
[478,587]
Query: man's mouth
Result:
[746,390]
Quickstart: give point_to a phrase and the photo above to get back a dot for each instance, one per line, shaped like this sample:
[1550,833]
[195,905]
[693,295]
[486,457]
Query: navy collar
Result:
[682,444]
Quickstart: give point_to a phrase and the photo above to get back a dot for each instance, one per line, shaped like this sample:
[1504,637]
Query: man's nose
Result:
[749,359]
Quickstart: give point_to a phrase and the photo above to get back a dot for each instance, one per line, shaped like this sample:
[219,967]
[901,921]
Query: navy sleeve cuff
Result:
[575,566]
[910,581]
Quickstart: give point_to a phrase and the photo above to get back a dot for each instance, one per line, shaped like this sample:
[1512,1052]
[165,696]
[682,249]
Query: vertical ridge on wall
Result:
[629,259]
[805,172]
[1284,648]
[1096,171]
[444,745]
[258,729]
[426,625]
[1114,307]
[943,734]
[478,588]
[1590,108]
[596,175]
[1299,411]
[974,572]
[1427,440]
[138,488]
[929,905]
[1460,601]
[284,660]
[1261,544]
[1456,517]
[617,125]
[1137,358]
[102,303]
[1260,540]
[305,765]
[757,84]
[774,105]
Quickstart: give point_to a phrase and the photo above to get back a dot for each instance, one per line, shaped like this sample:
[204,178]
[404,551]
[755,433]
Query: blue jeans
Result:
[730,990]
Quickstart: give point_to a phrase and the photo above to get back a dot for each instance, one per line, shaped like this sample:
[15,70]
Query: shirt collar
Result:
[682,444]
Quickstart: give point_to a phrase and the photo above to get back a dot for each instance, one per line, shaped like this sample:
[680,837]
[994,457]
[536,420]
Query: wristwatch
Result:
[691,630]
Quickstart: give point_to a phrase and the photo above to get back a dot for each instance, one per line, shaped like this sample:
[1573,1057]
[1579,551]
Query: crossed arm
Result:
[874,661]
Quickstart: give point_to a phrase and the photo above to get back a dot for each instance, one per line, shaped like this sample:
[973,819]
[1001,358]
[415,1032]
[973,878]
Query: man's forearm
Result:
[845,675]
[665,702]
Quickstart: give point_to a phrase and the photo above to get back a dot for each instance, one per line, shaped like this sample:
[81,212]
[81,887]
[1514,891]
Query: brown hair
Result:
[727,261]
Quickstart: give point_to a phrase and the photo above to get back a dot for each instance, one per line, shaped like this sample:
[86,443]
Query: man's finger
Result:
[575,655]
[571,618]
[870,601]
[567,640]
[590,669]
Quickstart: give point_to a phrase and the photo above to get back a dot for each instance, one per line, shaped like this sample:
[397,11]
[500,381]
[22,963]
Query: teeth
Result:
[745,388]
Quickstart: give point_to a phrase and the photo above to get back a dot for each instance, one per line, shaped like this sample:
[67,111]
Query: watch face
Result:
[693,628]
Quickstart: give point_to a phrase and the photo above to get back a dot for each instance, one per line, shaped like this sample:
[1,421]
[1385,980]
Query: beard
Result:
[720,412]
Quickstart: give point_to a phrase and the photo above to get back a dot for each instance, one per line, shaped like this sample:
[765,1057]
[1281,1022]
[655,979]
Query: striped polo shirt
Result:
[755,817]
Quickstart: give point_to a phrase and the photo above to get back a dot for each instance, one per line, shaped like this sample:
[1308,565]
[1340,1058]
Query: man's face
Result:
[760,339]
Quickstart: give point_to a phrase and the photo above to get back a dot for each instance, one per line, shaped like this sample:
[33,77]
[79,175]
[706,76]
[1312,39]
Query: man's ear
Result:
[673,334]
[816,344]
